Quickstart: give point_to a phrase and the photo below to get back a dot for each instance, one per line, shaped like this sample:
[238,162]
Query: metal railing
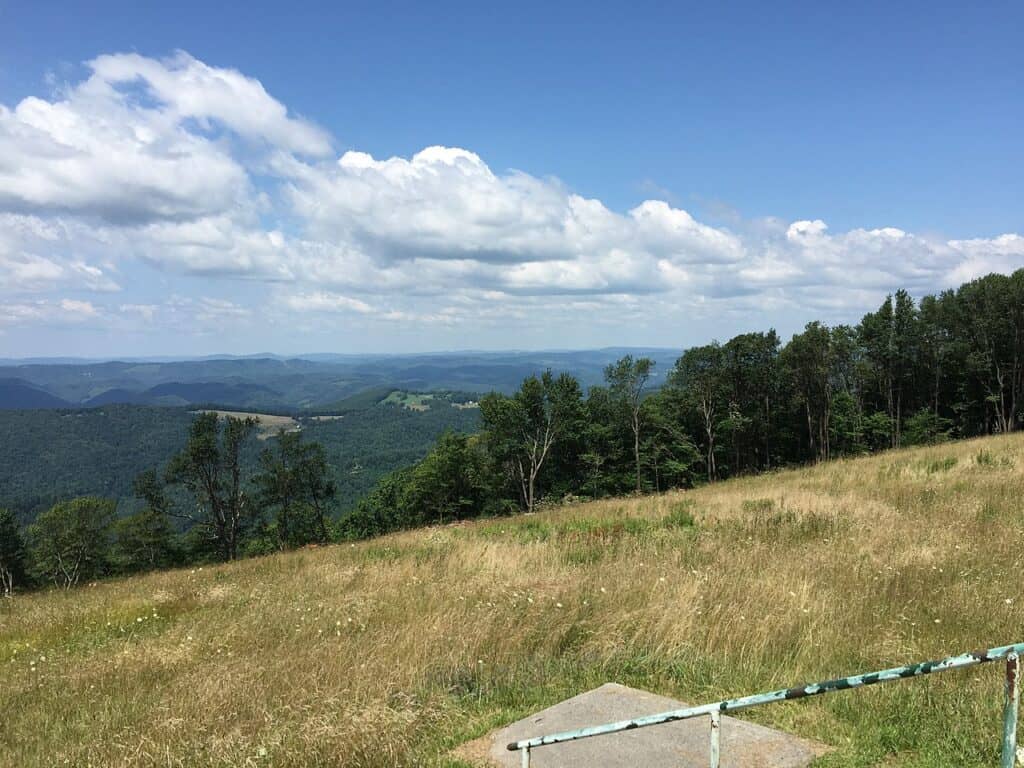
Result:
[1010,710]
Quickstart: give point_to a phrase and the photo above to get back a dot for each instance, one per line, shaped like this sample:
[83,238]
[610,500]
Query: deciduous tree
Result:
[71,541]
[210,468]
[626,380]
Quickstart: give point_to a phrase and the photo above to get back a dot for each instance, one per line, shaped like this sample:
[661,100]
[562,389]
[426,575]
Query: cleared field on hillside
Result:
[393,652]
[268,425]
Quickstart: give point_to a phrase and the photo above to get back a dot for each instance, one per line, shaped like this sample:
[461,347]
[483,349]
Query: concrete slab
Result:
[682,744]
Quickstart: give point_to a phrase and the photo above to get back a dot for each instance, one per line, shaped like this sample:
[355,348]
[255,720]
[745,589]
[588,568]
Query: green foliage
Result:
[987,460]
[101,451]
[935,466]
[626,380]
[520,431]
[50,456]
[209,467]
[926,428]
[365,445]
[679,516]
[13,557]
[380,511]
[145,540]
[294,483]
[451,483]
[71,541]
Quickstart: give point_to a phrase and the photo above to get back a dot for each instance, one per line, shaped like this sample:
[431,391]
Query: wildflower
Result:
[1009,601]
[558,605]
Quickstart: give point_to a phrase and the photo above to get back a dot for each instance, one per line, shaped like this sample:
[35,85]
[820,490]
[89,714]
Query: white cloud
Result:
[144,311]
[38,255]
[199,172]
[141,139]
[188,88]
[322,301]
[50,312]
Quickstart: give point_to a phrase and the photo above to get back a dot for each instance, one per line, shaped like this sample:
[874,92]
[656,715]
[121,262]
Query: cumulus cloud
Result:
[188,88]
[199,172]
[38,255]
[143,139]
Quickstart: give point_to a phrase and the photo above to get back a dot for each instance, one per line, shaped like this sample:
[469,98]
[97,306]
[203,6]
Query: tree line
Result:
[949,366]
[909,373]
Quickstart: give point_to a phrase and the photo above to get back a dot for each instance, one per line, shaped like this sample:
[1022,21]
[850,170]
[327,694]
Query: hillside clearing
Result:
[393,652]
[269,425]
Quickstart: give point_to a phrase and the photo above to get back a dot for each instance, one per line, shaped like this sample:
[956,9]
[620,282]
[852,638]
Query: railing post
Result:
[716,736]
[1010,711]
[526,757]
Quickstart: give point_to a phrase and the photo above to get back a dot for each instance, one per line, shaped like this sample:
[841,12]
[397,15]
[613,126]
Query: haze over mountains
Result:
[308,382]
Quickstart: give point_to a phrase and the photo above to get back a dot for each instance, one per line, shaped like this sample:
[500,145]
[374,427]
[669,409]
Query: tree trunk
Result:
[636,446]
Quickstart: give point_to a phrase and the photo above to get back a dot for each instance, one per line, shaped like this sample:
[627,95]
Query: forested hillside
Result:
[47,456]
[51,455]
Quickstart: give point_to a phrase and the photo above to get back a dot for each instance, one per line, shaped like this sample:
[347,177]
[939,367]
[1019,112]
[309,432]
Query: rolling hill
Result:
[15,394]
[395,651]
[319,383]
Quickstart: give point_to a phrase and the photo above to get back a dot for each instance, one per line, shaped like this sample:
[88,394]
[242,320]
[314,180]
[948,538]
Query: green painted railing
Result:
[1010,653]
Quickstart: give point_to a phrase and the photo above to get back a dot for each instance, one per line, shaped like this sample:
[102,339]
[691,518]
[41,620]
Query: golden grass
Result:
[394,651]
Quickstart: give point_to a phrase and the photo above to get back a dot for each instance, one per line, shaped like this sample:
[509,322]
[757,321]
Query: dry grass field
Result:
[395,651]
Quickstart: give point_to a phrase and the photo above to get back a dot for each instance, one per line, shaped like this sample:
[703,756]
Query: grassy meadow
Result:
[395,651]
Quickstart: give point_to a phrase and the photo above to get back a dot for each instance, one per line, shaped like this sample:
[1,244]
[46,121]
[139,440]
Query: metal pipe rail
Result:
[1010,710]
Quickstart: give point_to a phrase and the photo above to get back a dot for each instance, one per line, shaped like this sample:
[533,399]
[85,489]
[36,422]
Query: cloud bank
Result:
[175,168]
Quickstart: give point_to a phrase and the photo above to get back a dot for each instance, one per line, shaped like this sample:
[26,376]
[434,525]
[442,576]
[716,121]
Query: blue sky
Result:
[798,161]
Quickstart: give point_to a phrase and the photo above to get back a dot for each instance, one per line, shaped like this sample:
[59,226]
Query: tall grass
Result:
[395,651]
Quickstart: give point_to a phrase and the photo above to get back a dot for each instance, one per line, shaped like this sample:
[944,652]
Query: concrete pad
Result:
[682,744]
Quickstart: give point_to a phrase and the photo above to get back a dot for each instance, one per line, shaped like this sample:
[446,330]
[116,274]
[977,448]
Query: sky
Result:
[192,178]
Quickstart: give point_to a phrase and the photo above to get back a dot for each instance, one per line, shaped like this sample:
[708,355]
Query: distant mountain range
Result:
[310,382]
[20,394]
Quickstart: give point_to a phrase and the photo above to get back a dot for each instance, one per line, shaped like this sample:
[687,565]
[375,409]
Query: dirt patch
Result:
[476,752]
